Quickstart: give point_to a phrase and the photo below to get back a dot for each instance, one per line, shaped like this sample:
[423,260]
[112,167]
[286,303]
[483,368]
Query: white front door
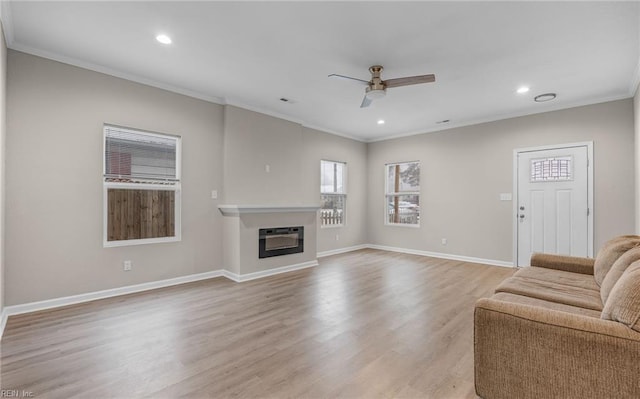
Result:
[552,214]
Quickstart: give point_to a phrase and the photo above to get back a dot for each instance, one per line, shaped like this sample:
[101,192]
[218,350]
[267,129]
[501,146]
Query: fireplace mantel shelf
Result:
[235,210]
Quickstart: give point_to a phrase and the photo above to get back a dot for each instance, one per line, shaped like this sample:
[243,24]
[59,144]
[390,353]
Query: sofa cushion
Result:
[541,303]
[623,304]
[574,264]
[610,252]
[558,276]
[618,268]
[552,292]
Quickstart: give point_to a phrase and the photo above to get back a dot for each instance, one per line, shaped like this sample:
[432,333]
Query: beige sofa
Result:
[564,328]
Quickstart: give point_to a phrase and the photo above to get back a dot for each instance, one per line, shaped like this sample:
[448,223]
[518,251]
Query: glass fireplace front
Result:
[277,241]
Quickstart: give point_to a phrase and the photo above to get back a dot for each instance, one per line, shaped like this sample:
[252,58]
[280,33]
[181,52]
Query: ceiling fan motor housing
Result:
[376,87]
[376,82]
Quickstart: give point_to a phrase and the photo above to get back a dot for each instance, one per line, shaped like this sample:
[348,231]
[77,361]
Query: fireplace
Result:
[277,241]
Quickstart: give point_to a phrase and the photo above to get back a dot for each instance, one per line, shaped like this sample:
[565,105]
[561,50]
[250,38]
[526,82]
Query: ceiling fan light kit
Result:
[373,94]
[377,88]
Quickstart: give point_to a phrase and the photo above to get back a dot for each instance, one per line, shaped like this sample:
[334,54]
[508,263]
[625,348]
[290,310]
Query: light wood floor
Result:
[366,324]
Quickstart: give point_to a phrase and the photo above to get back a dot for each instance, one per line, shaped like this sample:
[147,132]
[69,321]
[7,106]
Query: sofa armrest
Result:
[566,263]
[524,351]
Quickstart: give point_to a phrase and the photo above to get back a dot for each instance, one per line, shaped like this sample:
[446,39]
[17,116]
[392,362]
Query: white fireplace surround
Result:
[241,226]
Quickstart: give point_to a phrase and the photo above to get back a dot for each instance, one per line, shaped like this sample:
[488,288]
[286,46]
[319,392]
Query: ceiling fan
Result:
[377,88]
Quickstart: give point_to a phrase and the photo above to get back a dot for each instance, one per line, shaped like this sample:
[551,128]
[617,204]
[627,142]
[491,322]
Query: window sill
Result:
[332,226]
[126,243]
[413,226]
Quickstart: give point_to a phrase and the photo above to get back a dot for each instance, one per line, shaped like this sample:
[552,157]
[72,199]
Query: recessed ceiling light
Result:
[381,122]
[164,39]
[544,97]
[522,90]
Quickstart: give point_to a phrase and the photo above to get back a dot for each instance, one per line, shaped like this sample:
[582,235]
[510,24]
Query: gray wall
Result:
[318,146]
[3,130]
[465,169]
[54,180]
[54,185]
[293,153]
[54,177]
[252,141]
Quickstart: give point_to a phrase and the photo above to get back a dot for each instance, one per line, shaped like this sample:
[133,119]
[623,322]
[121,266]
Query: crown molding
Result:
[239,104]
[154,83]
[329,131]
[635,80]
[478,121]
[6,17]
[7,25]
[116,73]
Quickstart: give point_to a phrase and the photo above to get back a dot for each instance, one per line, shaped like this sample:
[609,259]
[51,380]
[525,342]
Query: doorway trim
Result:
[590,203]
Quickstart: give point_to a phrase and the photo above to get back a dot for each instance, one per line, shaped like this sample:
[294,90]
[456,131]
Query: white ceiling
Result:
[251,54]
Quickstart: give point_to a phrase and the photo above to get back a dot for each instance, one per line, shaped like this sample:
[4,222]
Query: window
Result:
[141,187]
[333,195]
[551,169]
[403,193]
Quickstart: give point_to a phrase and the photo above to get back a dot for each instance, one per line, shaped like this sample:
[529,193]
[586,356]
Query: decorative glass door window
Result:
[551,169]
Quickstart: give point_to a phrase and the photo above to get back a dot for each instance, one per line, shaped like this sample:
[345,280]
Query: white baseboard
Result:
[341,250]
[417,252]
[239,278]
[443,256]
[130,289]
[3,321]
[92,296]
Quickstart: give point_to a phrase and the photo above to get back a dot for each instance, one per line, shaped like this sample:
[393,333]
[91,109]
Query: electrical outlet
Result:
[267,168]
[444,241]
[126,265]
[214,194]
[337,237]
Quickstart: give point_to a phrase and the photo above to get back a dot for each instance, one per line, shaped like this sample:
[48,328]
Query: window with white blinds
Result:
[141,187]
[139,157]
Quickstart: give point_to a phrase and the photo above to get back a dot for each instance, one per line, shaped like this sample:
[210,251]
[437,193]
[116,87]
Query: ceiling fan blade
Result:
[410,80]
[335,75]
[366,101]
